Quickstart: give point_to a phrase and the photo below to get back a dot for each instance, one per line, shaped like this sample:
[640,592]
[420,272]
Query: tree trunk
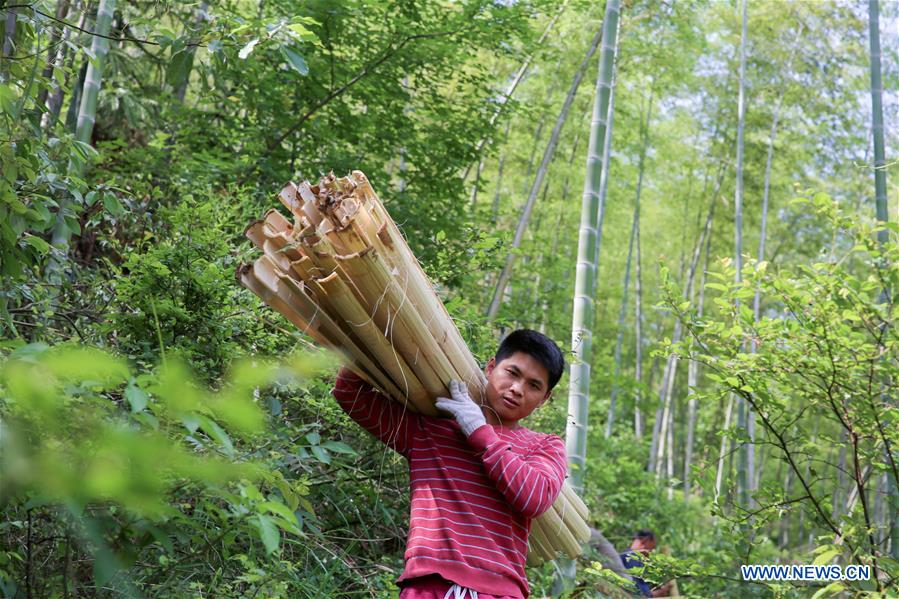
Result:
[669,458]
[54,52]
[66,58]
[181,86]
[548,154]
[719,476]
[585,277]
[497,194]
[785,519]
[638,329]
[610,421]
[9,35]
[880,200]
[693,377]
[841,477]
[746,460]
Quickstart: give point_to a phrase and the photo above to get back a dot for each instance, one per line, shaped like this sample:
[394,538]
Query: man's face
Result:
[516,386]
[643,546]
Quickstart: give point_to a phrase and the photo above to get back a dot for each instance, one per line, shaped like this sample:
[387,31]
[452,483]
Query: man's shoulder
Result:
[534,438]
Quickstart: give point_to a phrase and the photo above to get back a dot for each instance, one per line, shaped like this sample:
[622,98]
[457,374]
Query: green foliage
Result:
[169,292]
[105,447]
[821,381]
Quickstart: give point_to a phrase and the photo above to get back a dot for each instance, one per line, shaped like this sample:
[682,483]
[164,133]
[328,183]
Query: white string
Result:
[459,592]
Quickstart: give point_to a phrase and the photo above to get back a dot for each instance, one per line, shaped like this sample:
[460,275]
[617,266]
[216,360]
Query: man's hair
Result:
[645,535]
[538,346]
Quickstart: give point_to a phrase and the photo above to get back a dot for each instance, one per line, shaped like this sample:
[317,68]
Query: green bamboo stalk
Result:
[693,378]
[588,237]
[585,275]
[607,166]
[638,329]
[55,49]
[755,473]
[880,200]
[9,35]
[746,458]
[880,173]
[619,340]
[180,86]
[87,113]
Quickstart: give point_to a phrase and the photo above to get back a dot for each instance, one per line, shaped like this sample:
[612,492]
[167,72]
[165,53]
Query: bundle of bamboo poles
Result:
[343,274]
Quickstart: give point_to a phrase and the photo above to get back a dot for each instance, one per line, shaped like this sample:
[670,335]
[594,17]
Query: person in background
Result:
[644,542]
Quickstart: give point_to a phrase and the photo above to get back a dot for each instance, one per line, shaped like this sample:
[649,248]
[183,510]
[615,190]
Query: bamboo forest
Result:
[220,220]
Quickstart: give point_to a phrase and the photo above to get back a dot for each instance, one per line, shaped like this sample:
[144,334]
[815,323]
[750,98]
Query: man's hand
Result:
[467,413]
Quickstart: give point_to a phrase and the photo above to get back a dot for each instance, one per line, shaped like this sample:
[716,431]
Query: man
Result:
[477,479]
[644,542]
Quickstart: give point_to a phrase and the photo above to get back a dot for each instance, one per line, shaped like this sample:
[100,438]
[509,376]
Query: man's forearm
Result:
[530,484]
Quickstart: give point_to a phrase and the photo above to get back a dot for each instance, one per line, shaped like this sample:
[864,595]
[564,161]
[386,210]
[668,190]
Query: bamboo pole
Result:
[553,526]
[539,540]
[342,298]
[425,344]
[386,317]
[575,500]
[291,294]
[458,352]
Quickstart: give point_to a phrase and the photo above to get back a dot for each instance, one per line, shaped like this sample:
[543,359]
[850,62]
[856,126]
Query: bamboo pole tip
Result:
[253,232]
[243,270]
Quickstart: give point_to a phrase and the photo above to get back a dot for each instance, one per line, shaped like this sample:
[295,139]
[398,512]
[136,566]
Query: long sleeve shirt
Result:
[472,499]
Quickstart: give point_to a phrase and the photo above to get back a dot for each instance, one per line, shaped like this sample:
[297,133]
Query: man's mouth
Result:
[510,402]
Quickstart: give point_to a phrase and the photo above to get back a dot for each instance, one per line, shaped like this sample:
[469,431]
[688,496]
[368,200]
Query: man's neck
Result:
[493,419]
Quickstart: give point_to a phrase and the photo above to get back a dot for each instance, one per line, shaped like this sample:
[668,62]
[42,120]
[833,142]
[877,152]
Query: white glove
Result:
[467,413]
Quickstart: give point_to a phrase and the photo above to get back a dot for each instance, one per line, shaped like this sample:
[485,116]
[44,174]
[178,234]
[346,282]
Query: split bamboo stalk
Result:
[458,352]
[342,272]
[387,318]
[539,541]
[575,500]
[342,298]
[554,528]
[248,278]
[316,318]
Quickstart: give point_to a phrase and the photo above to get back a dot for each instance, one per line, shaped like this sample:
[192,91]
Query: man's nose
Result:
[517,387]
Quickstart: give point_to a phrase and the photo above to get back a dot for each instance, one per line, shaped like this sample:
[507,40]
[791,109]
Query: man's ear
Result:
[491,364]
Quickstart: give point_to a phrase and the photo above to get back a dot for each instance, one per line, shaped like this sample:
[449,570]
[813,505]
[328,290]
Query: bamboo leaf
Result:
[295,60]
[37,243]
[268,532]
[339,447]
[136,397]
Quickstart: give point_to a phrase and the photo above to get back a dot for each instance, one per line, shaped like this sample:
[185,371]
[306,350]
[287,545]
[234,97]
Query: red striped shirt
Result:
[472,499]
